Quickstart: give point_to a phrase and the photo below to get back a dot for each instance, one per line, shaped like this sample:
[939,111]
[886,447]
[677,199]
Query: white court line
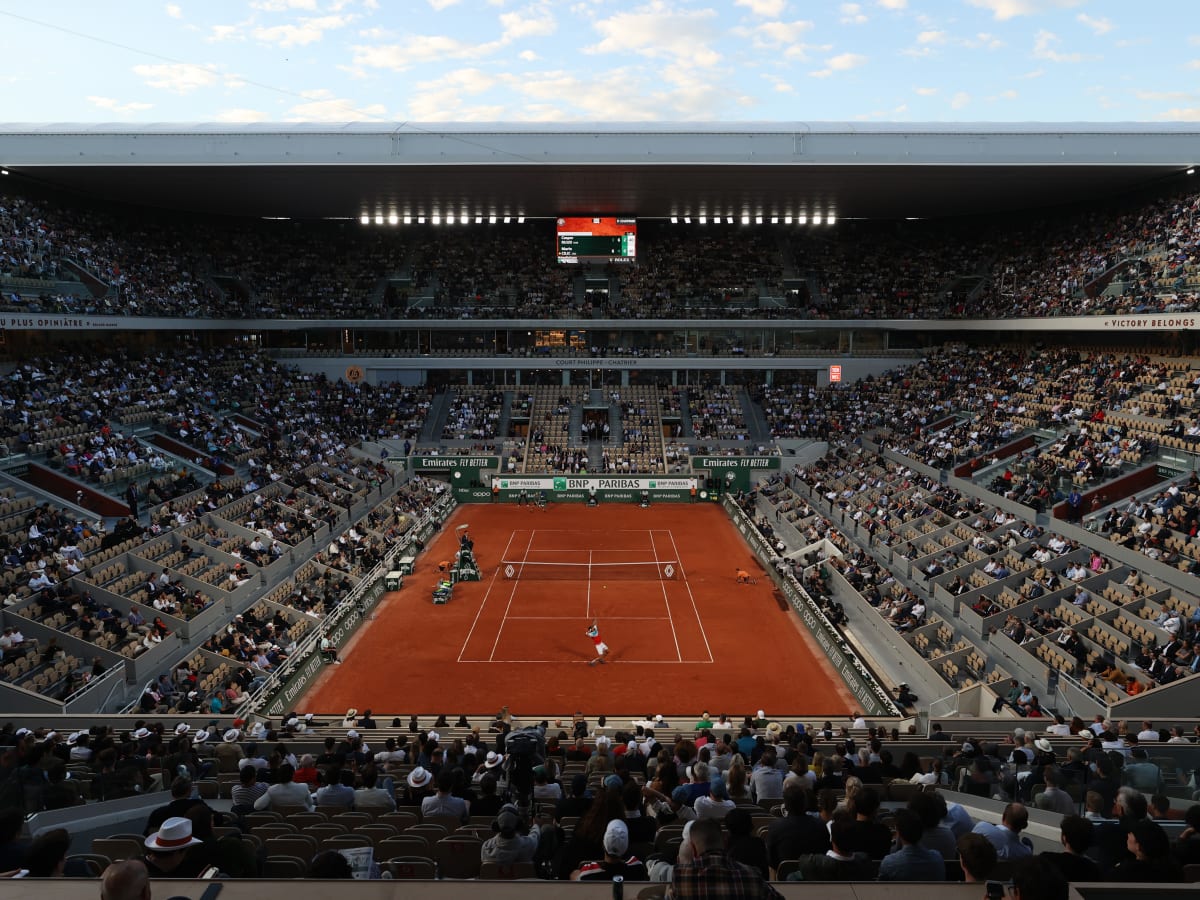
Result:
[588,619]
[604,550]
[584,662]
[486,594]
[663,584]
[683,574]
[589,586]
[516,581]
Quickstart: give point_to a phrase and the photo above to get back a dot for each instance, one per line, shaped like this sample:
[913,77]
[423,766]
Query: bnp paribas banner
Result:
[560,488]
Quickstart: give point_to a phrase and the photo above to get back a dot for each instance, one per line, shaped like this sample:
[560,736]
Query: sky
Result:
[242,61]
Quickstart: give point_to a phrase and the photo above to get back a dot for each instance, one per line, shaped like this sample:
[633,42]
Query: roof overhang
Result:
[653,170]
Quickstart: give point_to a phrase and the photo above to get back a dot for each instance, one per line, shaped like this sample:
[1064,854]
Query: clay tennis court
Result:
[660,584]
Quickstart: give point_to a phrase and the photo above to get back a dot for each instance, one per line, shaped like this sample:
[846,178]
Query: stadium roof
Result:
[887,171]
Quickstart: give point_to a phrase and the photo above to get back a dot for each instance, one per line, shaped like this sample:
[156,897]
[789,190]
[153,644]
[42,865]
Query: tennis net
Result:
[658,570]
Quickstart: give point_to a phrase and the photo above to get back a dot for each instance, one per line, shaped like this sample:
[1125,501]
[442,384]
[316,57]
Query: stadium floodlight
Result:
[507,219]
[703,220]
[449,219]
[674,220]
[745,220]
[1191,171]
[830,219]
[365,219]
[774,220]
[816,218]
[687,220]
[393,219]
[436,220]
[420,220]
[408,220]
[378,218]
[479,220]
[491,220]
[787,220]
[802,219]
[520,220]
[5,172]
[758,220]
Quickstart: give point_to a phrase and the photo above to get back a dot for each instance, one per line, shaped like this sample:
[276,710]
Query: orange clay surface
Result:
[678,645]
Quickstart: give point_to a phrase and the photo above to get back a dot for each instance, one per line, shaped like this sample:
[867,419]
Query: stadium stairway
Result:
[575,424]
[756,423]
[685,415]
[615,432]
[505,414]
[439,412]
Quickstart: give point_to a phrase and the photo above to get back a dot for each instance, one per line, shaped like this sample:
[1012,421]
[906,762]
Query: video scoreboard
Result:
[597,240]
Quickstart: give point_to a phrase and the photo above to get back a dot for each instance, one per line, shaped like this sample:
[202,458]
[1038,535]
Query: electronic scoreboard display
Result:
[585,239]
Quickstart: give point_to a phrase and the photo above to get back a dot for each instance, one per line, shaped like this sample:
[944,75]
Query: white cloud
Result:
[1044,43]
[283,5]
[801,52]
[174,11]
[235,32]
[1036,73]
[117,106]
[323,106]
[775,34]
[536,21]
[421,48]
[439,5]
[843,62]
[852,14]
[984,40]
[1162,96]
[1003,10]
[660,30]
[528,56]
[931,37]
[1181,114]
[925,91]
[636,93]
[960,100]
[768,9]
[894,4]
[241,115]
[179,78]
[307,30]
[1010,94]
[441,99]
[1099,26]
[1194,64]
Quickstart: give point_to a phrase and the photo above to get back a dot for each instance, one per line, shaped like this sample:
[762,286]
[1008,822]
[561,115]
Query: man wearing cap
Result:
[167,849]
[509,844]
[420,785]
[616,860]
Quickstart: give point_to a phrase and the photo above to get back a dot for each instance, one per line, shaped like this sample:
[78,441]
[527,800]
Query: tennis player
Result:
[742,577]
[601,648]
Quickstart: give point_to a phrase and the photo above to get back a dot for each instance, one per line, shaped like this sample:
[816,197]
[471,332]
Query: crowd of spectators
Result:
[647,801]
[1057,264]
